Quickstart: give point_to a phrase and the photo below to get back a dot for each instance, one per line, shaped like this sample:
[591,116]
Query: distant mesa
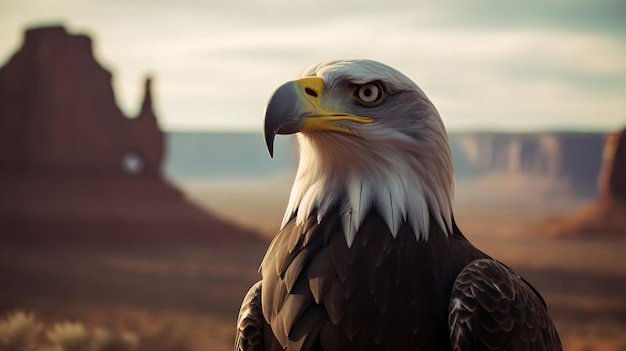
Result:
[74,168]
[605,217]
[552,164]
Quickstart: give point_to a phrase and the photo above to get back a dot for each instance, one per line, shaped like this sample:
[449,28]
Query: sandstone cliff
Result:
[73,168]
[605,217]
[612,181]
[571,161]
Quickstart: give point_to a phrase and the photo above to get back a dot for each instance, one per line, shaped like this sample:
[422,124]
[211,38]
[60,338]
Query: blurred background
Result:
[137,198]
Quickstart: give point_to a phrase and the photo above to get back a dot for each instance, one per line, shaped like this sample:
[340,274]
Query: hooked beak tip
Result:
[269,143]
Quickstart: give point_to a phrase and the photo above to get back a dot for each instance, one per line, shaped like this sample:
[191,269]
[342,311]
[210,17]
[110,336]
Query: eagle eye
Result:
[369,93]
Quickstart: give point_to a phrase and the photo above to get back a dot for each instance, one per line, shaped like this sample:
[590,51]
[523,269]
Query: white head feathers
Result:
[400,165]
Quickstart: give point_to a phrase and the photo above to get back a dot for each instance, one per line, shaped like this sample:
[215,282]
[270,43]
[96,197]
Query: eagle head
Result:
[369,140]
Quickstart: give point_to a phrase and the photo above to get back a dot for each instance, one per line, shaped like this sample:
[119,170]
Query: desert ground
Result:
[188,298]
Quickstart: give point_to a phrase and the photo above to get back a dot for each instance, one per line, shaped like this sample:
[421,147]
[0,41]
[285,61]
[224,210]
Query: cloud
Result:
[483,63]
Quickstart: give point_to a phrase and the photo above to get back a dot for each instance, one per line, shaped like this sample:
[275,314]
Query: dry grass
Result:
[187,299]
[183,300]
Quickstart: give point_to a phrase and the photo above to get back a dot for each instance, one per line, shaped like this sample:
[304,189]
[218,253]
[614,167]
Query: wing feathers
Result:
[253,333]
[250,322]
[492,308]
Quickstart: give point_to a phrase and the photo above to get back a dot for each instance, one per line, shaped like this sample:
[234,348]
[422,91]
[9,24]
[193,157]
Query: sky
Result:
[487,65]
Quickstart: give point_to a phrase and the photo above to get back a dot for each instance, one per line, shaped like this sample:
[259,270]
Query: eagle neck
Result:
[393,184]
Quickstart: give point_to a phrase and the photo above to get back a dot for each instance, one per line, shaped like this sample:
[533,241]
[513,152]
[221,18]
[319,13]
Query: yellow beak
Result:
[296,107]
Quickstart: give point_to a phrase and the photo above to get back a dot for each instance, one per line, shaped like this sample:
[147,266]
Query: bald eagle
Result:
[369,256]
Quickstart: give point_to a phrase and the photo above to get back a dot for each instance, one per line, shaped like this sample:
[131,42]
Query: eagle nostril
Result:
[310,92]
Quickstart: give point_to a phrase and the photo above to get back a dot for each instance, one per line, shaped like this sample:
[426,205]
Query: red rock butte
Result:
[604,218]
[74,168]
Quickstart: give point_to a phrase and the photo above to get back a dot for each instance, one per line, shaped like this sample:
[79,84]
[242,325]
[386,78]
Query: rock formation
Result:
[58,111]
[73,167]
[569,160]
[605,217]
[612,181]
